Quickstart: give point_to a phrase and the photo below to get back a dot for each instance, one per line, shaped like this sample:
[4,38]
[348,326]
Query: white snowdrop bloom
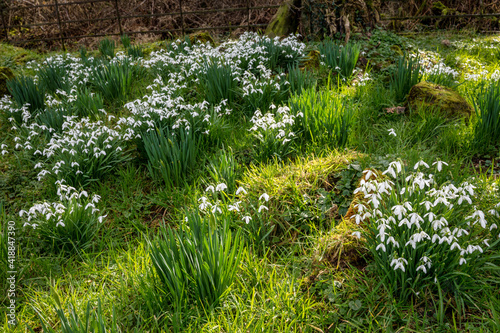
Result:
[455,245]
[247,219]
[220,187]
[380,246]
[427,204]
[464,198]
[101,218]
[60,223]
[369,173]
[390,171]
[240,190]
[262,207]
[493,212]
[462,261]
[264,196]
[422,268]
[420,163]
[357,234]
[210,188]
[486,242]
[439,164]
[493,226]
[393,241]
[391,131]
[399,211]
[439,223]
[399,263]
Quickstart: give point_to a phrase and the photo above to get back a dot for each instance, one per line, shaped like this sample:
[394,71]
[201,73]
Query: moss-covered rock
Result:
[426,94]
[285,21]
[202,37]
[5,75]
[313,60]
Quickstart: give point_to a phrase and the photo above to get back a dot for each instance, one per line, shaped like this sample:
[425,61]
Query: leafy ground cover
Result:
[251,187]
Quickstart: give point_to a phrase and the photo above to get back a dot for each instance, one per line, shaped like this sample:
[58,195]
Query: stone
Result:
[285,21]
[427,94]
[5,75]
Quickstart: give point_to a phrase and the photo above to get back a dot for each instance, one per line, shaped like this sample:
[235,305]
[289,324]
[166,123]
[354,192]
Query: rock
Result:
[285,21]
[202,37]
[446,42]
[426,94]
[5,75]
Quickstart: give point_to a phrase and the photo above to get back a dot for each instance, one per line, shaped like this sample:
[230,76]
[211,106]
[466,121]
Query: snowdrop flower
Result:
[246,219]
[380,246]
[440,165]
[421,163]
[101,218]
[264,196]
[391,131]
[399,263]
[220,187]
[210,188]
[240,190]
[262,207]
[60,223]
[357,234]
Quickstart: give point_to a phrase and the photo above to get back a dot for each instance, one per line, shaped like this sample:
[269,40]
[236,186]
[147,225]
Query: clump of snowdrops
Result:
[273,133]
[424,233]
[70,223]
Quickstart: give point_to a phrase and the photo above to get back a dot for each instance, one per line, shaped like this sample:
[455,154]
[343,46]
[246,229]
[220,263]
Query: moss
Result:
[202,37]
[438,8]
[284,22]
[341,249]
[313,60]
[430,95]
[5,75]
[397,50]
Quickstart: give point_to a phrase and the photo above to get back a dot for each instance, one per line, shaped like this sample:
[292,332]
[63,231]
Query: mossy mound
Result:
[202,37]
[341,248]
[430,95]
[313,60]
[285,21]
[5,75]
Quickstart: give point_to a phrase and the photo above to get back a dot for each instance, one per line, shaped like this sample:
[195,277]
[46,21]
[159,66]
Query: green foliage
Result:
[407,75]
[299,79]
[487,127]
[25,90]
[342,59]
[125,41]
[217,82]
[279,55]
[88,104]
[67,225]
[107,48]
[53,117]
[171,155]
[135,52]
[53,77]
[114,80]
[93,321]
[262,94]
[195,264]
[325,117]
[223,168]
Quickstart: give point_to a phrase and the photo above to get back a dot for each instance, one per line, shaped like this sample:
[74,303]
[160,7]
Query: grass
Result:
[296,265]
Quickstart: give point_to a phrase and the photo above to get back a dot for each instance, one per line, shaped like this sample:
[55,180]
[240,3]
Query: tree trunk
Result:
[322,18]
